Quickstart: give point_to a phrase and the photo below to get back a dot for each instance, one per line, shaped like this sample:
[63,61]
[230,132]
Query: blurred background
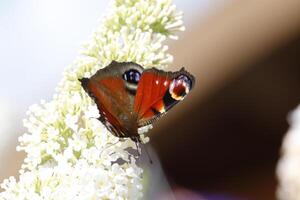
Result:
[224,140]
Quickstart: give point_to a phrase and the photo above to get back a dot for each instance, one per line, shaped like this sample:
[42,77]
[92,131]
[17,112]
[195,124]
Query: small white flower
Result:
[92,112]
[71,121]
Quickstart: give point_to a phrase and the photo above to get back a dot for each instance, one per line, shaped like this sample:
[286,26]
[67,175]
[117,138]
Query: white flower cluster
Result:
[288,169]
[70,154]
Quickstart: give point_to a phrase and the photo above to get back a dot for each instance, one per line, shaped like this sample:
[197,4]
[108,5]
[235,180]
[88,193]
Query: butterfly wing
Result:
[158,91]
[114,98]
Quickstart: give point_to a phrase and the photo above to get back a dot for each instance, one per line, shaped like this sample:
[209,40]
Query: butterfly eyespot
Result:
[180,87]
[185,79]
[132,76]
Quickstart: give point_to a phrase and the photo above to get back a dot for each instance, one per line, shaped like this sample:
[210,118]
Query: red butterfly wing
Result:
[107,102]
[158,91]
[114,100]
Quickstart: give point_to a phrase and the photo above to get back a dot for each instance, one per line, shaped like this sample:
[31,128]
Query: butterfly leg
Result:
[138,148]
[136,139]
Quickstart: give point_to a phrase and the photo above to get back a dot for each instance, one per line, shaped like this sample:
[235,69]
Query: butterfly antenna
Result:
[138,148]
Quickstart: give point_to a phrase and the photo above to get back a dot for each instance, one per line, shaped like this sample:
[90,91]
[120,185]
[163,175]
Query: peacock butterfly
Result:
[130,97]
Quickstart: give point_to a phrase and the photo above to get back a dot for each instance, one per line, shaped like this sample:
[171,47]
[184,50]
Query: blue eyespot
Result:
[185,79]
[132,76]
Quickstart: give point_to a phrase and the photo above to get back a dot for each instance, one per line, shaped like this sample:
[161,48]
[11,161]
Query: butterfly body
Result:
[129,97]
